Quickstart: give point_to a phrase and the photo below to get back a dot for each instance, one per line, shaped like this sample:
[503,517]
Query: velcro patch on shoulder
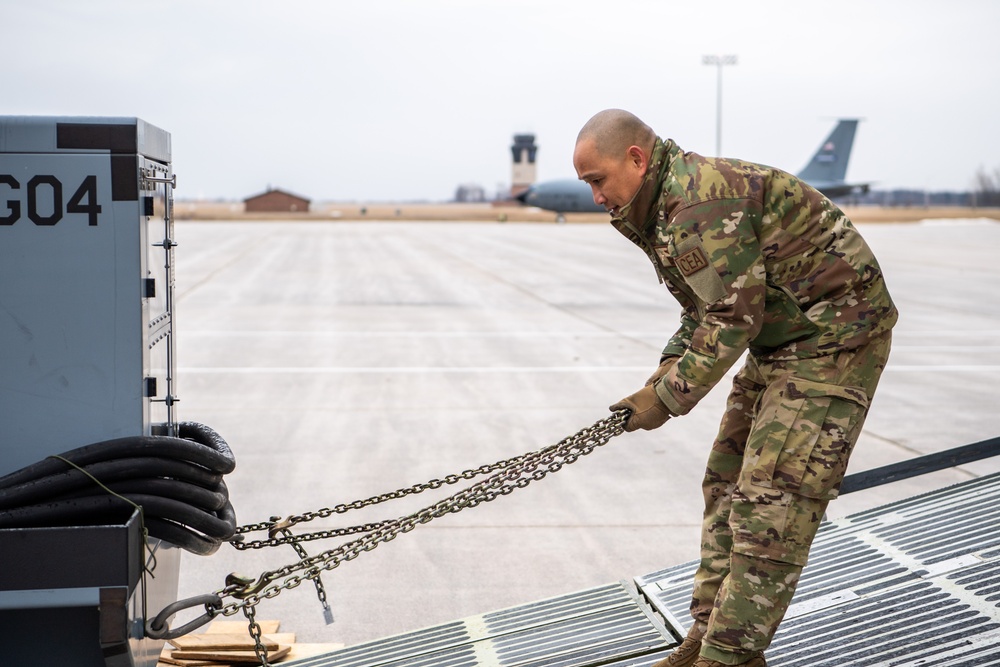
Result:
[698,272]
[692,261]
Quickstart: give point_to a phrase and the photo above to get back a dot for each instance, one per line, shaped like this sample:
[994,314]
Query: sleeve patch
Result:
[692,261]
[698,272]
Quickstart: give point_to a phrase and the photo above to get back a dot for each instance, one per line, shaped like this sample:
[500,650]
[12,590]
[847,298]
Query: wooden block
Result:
[237,627]
[230,657]
[221,642]
[167,661]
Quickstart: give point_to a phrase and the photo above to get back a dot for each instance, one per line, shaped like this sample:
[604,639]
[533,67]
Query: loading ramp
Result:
[915,582]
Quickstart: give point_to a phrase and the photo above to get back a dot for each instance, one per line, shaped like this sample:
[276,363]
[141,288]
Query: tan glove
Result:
[662,369]
[648,411]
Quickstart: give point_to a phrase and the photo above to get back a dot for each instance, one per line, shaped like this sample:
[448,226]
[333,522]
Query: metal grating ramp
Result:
[607,626]
[913,583]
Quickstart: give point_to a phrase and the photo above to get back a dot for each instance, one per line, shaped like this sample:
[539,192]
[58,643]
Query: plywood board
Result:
[222,642]
[230,657]
[236,627]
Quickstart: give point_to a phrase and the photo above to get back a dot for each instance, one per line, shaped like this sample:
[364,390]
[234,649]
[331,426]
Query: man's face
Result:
[613,179]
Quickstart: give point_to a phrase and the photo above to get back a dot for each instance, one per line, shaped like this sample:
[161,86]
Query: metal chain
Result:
[241,545]
[255,633]
[272,527]
[513,474]
[317,582]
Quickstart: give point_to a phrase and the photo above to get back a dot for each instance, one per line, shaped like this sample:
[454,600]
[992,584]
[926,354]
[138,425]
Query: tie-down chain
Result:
[247,592]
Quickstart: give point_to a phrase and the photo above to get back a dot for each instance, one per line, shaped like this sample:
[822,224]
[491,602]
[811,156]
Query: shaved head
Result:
[612,131]
[612,154]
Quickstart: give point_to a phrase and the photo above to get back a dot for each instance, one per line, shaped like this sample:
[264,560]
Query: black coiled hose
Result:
[176,480]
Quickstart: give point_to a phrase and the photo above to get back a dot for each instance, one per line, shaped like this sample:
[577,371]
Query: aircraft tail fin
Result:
[829,163]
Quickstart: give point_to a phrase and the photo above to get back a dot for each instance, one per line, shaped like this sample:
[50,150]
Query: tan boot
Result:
[686,654]
[756,661]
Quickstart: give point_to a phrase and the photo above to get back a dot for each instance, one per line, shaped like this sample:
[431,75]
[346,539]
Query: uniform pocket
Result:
[783,323]
[803,437]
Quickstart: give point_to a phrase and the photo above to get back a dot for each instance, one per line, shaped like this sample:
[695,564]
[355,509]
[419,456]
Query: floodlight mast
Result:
[719,61]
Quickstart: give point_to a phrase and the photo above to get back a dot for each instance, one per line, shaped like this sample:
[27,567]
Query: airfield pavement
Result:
[345,359]
[507,212]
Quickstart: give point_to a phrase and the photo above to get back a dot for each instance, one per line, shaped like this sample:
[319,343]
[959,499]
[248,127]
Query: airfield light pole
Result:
[719,62]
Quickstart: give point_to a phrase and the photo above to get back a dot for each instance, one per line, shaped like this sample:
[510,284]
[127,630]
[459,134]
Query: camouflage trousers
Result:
[779,459]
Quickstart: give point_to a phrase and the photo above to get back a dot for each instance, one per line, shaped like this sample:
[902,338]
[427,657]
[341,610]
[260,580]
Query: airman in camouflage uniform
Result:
[761,263]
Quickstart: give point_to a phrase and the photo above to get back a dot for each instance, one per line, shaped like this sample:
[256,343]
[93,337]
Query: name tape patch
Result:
[692,261]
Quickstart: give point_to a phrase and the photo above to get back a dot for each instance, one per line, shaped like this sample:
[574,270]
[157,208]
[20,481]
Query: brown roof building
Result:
[276,201]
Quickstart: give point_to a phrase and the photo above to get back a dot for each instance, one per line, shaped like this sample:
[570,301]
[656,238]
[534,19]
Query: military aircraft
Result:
[828,166]
[825,171]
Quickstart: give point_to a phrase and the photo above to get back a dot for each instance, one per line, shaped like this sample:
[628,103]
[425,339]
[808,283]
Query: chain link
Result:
[318,581]
[510,474]
[343,508]
[255,633]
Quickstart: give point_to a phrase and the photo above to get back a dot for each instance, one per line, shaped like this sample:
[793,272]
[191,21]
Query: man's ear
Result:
[637,157]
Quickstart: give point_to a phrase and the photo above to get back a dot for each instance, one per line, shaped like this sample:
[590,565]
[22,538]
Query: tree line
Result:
[987,188]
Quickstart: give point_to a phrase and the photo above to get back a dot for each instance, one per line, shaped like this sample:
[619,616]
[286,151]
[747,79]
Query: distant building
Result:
[523,169]
[470,193]
[276,201]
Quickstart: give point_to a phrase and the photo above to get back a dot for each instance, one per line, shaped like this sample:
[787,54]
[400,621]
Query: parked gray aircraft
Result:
[825,171]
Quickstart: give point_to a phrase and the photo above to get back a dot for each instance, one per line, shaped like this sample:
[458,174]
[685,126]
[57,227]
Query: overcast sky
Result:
[404,100]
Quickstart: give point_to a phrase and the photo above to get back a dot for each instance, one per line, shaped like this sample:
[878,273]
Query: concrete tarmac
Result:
[343,360]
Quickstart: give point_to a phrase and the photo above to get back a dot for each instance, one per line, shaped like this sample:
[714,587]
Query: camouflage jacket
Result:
[758,260]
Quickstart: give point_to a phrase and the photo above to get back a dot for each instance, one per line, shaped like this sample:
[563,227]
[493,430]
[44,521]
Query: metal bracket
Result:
[172,181]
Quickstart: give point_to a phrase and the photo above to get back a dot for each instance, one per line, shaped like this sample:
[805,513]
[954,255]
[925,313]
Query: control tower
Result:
[523,167]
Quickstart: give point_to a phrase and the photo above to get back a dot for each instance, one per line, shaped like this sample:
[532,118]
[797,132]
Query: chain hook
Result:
[278,525]
[242,586]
